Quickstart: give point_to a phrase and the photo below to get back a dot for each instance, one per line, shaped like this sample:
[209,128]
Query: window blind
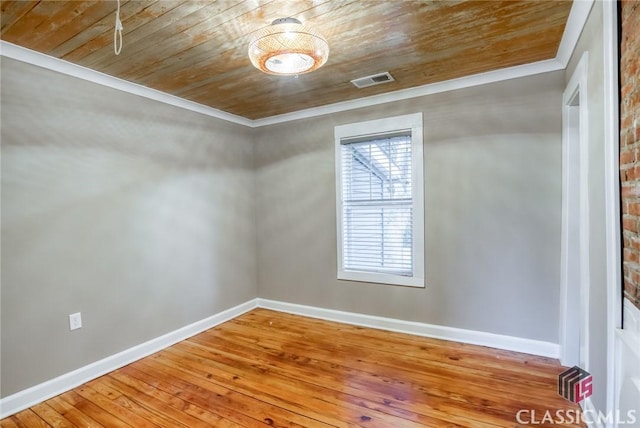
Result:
[377,217]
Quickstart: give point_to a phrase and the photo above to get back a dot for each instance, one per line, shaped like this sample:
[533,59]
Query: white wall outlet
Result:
[75,321]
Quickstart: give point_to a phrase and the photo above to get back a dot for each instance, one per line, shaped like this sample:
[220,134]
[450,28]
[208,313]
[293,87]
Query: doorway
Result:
[574,290]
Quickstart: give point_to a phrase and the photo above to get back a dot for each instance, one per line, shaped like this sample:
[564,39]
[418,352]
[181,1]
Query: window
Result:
[380,204]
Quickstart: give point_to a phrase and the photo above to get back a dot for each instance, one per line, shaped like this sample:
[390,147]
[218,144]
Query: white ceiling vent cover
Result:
[374,79]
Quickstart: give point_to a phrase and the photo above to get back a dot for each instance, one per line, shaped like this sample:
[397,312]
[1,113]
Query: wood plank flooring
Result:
[268,368]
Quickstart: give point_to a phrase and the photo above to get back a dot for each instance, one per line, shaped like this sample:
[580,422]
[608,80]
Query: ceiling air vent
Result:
[374,79]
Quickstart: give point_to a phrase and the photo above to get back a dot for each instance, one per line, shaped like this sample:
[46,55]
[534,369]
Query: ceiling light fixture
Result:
[287,47]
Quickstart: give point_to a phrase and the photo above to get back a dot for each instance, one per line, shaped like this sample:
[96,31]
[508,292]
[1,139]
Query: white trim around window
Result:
[411,268]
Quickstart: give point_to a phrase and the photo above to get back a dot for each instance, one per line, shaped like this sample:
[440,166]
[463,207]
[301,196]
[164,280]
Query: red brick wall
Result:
[630,146]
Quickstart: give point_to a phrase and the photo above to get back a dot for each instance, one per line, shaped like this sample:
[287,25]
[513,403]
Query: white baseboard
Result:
[38,393]
[24,399]
[510,343]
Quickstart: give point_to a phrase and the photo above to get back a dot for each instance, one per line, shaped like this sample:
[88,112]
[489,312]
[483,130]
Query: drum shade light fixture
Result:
[287,47]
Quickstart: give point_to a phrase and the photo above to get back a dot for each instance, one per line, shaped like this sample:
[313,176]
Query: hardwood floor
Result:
[267,368]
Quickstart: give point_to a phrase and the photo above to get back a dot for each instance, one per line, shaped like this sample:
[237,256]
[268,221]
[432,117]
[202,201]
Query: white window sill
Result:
[381,278]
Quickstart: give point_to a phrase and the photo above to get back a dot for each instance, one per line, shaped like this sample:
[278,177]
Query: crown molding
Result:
[418,91]
[578,15]
[29,56]
[576,21]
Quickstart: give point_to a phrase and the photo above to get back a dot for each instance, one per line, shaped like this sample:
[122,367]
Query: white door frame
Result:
[575,280]
[612,201]
[612,197]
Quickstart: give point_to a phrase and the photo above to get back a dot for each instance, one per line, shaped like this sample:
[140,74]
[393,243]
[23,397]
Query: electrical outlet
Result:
[75,321]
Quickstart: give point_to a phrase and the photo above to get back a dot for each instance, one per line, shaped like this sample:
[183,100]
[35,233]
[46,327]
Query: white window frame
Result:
[412,122]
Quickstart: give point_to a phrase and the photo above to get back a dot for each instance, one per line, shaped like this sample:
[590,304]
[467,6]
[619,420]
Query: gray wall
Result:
[138,214]
[492,201]
[591,41]
[146,217]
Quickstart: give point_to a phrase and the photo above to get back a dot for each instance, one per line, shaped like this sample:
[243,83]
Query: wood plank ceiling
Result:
[197,50]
